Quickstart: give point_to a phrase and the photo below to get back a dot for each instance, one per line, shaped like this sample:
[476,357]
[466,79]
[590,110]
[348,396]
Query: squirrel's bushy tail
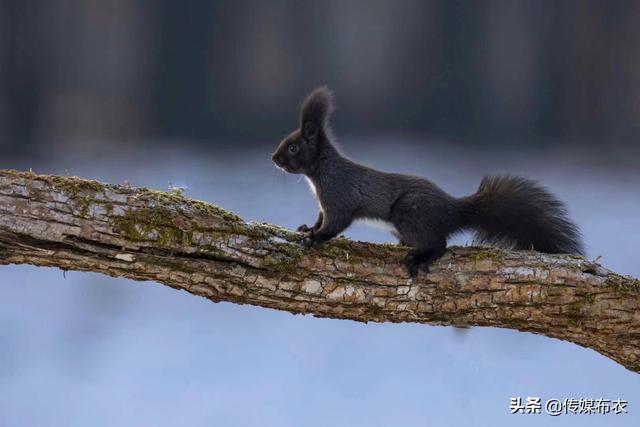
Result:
[516,213]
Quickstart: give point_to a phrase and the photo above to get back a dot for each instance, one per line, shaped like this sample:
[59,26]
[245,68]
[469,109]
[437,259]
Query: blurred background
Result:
[198,94]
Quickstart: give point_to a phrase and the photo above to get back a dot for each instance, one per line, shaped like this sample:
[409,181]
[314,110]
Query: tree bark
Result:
[141,234]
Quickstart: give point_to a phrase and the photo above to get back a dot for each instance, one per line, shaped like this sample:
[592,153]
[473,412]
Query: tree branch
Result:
[140,234]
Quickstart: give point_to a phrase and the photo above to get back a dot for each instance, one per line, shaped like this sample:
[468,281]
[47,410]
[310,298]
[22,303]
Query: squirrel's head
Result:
[299,151]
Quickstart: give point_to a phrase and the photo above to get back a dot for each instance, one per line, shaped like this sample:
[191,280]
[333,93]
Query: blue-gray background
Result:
[198,94]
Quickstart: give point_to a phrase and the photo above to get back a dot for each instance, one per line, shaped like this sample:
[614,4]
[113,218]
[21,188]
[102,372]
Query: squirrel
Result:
[506,211]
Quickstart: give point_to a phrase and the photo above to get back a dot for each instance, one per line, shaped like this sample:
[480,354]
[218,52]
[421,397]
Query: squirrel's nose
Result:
[275,158]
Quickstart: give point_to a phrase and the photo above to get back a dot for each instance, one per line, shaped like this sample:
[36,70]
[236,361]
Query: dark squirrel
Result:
[506,211]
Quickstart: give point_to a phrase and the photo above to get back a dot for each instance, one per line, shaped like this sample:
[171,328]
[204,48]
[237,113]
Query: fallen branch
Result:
[75,224]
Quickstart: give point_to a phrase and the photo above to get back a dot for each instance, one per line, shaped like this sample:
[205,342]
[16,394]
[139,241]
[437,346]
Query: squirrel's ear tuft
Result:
[317,108]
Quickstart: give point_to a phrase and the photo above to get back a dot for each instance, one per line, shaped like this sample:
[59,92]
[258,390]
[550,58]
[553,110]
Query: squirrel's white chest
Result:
[313,189]
[312,186]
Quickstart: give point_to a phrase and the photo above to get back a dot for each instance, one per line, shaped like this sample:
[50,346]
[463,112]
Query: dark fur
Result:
[506,211]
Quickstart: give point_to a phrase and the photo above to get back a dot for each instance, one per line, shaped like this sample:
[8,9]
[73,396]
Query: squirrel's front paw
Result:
[304,228]
[308,241]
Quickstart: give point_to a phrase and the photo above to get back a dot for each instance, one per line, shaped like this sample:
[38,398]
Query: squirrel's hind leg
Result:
[418,258]
[419,227]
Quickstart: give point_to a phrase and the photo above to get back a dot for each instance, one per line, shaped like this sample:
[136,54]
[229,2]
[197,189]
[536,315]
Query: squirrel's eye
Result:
[293,148]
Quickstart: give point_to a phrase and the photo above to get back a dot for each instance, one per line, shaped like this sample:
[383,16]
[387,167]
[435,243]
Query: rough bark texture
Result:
[141,234]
